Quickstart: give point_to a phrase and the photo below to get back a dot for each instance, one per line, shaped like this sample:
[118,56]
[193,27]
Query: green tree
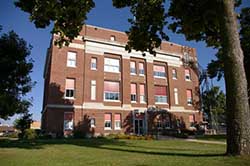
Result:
[216,67]
[200,20]
[214,105]
[23,123]
[15,82]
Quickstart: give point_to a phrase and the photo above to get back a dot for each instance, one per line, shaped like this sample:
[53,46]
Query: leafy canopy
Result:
[15,82]
[23,122]
[68,16]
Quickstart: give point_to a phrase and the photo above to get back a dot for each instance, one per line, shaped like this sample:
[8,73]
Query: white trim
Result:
[159,103]
[181,109]
[99,47]
[125,107]
[77,45]
[160,77]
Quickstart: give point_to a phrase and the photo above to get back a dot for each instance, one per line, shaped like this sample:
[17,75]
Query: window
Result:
[141,69]
[111,65]
[142,93]
[93,90]
[161,94]
[167,122]
[132,67]
[93,63]
[186,58]
[191,120]
[92,122]
[107,121]
[187,75]
[159,71]
[112,38]
[111,90]
[189,97]
[71,59]
[70,88]
[176,100]
[133,92]
[68,121]
[117,121]
[174,74]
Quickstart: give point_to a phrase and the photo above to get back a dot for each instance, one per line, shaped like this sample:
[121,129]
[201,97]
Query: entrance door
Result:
[139,127]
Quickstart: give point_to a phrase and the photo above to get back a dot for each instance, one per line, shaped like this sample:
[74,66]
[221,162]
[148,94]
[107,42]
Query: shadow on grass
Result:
[103,143]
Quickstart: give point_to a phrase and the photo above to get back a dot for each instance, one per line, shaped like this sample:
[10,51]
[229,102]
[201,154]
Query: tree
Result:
[68,16]
[216,67]
[15,81]
[214,105]
[197,20]
[23,123]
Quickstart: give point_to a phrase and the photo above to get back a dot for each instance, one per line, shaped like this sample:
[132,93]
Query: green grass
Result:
[221,138]
[114,152]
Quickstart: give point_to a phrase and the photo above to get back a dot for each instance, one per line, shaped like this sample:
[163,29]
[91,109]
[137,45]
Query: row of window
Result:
[68,121]
[113,65]
[112,92]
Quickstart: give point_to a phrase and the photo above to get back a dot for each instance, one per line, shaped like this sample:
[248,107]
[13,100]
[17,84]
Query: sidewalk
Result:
[204,141]
[161,137]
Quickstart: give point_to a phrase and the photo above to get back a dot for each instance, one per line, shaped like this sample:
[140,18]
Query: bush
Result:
[11,135]
[79,134]
[131,137]
[29,134]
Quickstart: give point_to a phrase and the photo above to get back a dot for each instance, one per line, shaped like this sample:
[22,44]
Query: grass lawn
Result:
[115,152]
[221,138]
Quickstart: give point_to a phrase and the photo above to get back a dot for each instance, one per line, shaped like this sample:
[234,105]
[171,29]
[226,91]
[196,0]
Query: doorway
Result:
[139,127]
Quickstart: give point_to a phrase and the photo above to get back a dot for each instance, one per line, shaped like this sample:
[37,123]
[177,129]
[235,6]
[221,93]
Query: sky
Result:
[103,15]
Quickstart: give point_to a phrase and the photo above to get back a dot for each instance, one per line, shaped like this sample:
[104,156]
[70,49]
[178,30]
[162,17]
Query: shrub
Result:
[131,137]
[12,135]
[79,134]
[29,134]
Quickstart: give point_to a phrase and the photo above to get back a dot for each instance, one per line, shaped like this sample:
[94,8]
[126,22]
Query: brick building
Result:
[96,87]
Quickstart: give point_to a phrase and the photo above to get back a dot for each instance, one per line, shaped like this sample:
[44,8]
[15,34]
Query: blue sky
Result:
[103,15]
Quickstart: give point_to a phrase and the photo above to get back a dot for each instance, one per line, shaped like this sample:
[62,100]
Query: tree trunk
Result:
[238,115]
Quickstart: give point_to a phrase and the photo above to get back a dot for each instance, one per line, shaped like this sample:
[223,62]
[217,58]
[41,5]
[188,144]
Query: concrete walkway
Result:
[160,137]
[205,141]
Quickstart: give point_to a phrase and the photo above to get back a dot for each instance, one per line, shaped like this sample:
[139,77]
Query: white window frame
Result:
[108,92]
[67,123]
[111,67]
[161,97]
[71,62]
[110,121]
[133,69]
[91,66]
[93,90]
[142,74]
[112,38]
[67,97]
[120,126]
[188,76]
[174,74]
[159,76]
[92,123]
[176,99]
[73,89]
[190,100]
[143,97]
[133,96]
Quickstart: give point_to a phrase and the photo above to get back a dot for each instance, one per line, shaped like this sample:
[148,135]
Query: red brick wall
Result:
[58,72]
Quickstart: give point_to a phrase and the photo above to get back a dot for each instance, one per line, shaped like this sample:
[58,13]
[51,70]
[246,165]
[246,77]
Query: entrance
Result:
[139,127]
